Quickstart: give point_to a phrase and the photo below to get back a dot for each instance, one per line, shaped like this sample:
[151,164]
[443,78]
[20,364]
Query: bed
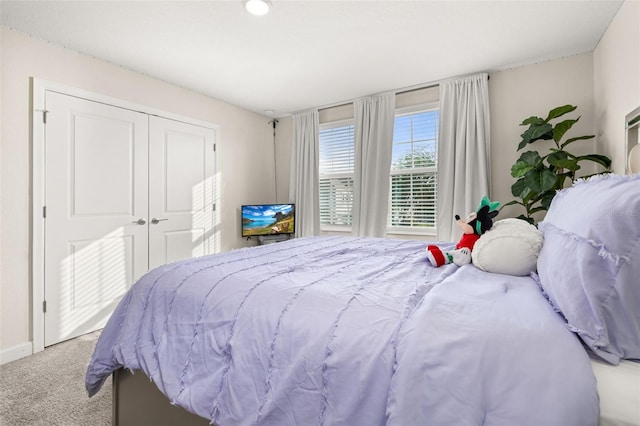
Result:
[137,401]
[364,331]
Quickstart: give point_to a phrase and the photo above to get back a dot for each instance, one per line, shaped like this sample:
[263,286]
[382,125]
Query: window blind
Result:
[336,168]
[413,174]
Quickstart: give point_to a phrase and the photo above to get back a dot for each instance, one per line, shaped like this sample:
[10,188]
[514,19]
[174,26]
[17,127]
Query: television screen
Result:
[268,219]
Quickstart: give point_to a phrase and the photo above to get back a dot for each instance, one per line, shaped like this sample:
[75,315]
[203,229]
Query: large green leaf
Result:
[578,138]
[519,189]
[527,161]
[522,143]
[540,180]
[547,198]
[529,197]
[603,160]
[556,156]
[526,218]
[520,168]
[532,120]
[562,127]
[531,157]
[536,196]
[562,177]
[510,203]
[547,180]
[536,132]
[560,111]
[537,209]
[561,160]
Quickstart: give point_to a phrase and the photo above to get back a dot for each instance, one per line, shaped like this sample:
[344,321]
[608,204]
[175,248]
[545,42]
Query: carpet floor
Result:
[47,388]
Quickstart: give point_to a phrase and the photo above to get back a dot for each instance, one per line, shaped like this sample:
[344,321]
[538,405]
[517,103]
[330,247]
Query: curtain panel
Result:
[463,150]
[373,134]
[304,181]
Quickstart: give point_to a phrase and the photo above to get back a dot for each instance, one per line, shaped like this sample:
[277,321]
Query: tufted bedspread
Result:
[348,331]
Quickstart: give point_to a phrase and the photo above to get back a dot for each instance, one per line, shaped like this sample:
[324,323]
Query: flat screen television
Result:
[268,219]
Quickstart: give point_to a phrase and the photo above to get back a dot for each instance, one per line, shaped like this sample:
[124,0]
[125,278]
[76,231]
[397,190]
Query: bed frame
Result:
[138,402]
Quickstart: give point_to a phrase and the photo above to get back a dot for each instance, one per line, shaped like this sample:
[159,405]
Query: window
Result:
[413,174]
[336,170]
[412,202]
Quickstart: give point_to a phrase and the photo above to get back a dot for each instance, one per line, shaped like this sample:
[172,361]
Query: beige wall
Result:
[519,93]
[245,140]
[617,80]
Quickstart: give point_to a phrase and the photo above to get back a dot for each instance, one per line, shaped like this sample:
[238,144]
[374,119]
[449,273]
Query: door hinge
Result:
[214,207]
[44,212]
[214,147]
[44,306]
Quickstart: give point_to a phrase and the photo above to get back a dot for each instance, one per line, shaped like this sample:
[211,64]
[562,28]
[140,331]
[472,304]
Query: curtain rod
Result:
[415,89]
[397,92]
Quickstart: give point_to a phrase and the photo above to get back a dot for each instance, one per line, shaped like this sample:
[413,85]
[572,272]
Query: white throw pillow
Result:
[510,247]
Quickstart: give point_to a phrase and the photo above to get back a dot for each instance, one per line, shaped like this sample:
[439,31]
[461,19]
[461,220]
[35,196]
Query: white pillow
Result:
[510,247]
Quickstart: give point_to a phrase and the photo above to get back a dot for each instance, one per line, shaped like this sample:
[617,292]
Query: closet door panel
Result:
[181,167]
[180,244]
[102,166]
[96,189]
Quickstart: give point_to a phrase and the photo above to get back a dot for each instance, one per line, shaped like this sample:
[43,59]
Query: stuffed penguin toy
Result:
[476,224]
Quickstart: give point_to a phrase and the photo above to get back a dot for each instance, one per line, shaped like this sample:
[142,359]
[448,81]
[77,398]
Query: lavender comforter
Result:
[348,331]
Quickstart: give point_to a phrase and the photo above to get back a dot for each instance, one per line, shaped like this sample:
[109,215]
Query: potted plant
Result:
[540,176]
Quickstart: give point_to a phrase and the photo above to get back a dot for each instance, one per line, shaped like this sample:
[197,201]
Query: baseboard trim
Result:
[16,352]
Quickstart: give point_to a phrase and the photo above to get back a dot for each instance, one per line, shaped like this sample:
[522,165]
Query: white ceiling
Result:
[306,54]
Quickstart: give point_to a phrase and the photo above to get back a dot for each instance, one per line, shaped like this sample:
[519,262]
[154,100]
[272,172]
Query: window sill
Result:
[411,231]
[429,234]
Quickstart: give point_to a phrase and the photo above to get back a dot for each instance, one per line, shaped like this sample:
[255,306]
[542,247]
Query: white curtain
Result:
[304,185]
[373,133]
[463,150]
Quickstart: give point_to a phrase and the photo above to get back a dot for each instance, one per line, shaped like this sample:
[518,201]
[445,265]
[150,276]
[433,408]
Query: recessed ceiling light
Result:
[257,7]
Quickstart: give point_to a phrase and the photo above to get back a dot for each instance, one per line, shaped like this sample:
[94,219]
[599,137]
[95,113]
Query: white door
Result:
[181,202]
[96,181]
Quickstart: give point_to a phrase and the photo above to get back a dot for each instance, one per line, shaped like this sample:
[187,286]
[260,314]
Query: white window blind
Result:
[413,174]
[337,150]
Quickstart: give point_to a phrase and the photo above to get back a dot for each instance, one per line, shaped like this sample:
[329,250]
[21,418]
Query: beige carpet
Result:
[48,388]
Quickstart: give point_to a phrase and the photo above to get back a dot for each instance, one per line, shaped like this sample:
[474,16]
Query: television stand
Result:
[269,239]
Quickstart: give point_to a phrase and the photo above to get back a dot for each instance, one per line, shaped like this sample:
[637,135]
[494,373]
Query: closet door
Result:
[181,190]
[96,233]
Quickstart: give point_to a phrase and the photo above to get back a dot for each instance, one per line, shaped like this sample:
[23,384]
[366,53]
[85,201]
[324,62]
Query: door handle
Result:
[140,221]
[156,220]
